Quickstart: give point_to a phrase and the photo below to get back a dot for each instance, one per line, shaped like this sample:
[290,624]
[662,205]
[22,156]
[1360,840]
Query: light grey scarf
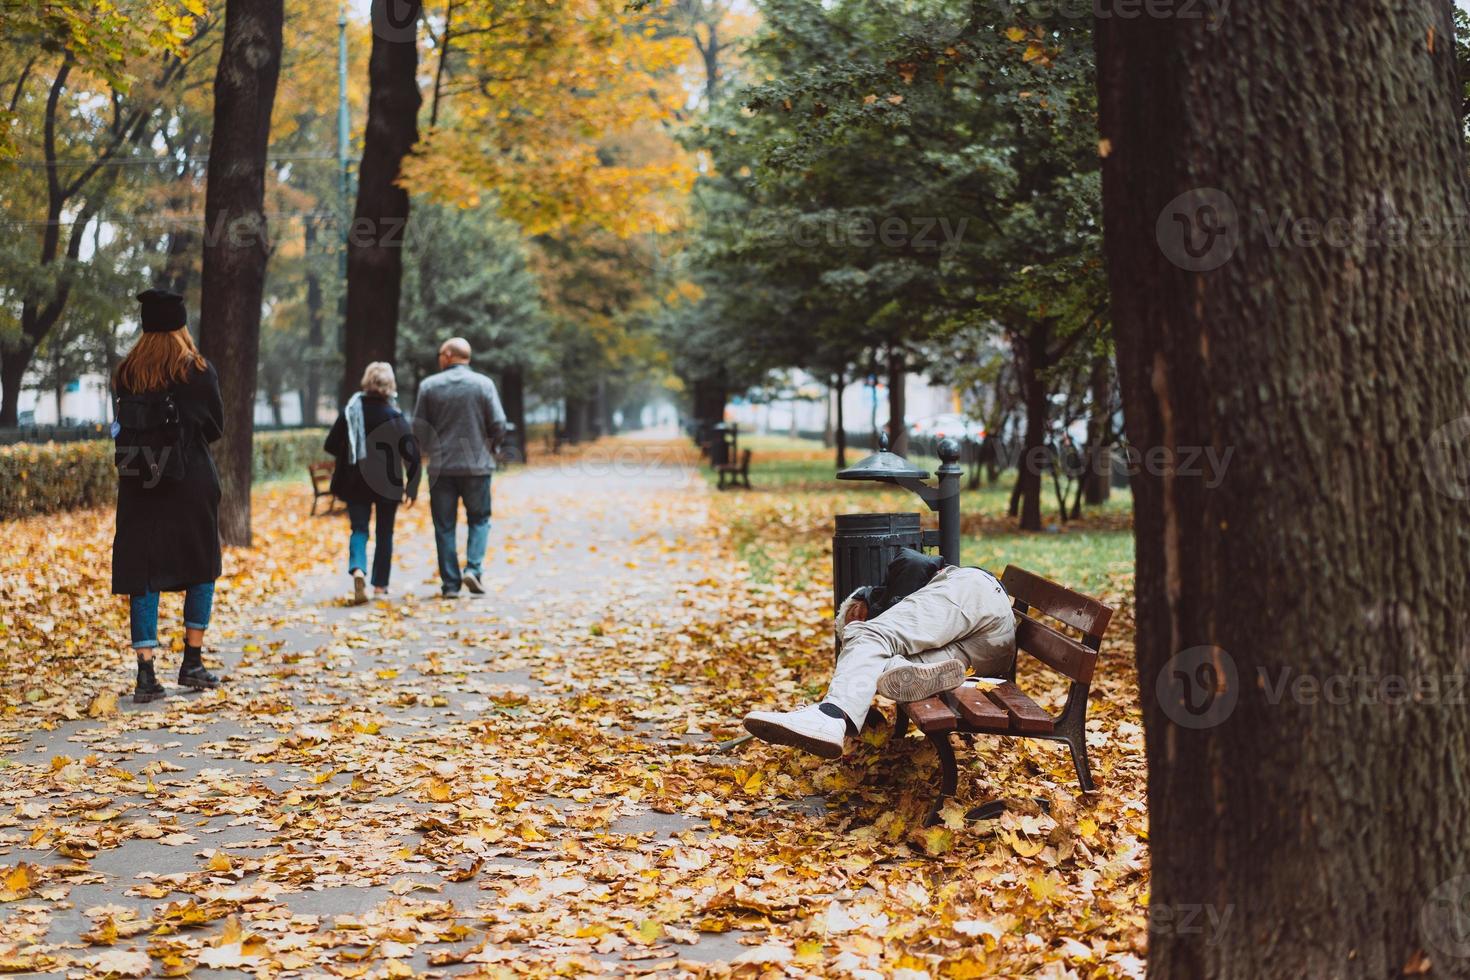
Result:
[356,429]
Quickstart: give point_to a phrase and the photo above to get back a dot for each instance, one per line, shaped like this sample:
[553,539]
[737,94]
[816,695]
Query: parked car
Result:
[926,432]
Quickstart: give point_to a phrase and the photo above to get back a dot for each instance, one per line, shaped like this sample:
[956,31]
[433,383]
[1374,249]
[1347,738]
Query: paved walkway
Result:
[368,765]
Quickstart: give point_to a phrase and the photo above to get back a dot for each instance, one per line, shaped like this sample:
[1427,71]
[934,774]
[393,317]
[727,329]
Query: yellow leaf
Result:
[220,862]
[1015,33]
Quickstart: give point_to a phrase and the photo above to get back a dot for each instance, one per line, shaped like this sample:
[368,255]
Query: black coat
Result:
[390,466]
[168,536]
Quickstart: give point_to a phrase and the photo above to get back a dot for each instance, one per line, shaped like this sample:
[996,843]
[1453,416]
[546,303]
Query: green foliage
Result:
[47,477]
[969,132]
[466,274]
[286,454]
[44,478]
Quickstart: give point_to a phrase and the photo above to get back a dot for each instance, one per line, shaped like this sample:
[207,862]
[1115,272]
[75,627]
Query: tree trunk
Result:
[234,262]
[1326,819]
[898,427]
[578,424]
[1033,449]
[311,395]
[1097,479]
[513,398]
[380,222]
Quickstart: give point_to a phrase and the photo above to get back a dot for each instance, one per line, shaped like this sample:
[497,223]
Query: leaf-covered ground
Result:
[526,783]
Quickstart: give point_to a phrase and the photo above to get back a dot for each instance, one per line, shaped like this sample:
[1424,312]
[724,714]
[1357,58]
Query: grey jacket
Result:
[459,421]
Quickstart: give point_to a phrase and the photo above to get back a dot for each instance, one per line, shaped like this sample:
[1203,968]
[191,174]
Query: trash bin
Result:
[864,544]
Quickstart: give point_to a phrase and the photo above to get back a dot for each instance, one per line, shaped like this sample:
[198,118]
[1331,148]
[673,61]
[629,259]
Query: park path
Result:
[367,765]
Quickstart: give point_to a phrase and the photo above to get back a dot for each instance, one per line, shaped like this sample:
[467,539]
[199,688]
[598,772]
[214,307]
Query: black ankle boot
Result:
[147,688]
[192,672]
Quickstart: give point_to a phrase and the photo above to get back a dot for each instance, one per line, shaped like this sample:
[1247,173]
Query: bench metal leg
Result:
[1071,727]
[948,774]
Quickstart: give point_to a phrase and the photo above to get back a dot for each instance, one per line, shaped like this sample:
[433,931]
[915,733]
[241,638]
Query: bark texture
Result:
[234,262]
[380,222]
[1331,828]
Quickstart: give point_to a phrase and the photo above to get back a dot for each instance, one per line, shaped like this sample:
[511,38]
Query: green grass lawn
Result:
[783,527]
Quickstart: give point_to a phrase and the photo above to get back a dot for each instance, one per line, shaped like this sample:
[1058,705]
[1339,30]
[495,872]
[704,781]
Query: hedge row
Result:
[47,477]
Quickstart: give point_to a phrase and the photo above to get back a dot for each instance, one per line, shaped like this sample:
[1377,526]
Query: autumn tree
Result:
[89,85]
[1335,363]
[235,260]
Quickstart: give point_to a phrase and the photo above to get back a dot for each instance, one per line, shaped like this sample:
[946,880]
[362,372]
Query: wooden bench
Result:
[738,474]
[1007,710]
[321,484]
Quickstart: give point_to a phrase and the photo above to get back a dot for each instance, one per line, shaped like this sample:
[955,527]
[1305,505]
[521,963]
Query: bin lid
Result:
[883,466]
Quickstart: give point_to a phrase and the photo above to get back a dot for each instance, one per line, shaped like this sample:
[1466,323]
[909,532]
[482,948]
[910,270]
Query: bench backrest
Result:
[319,470]
[1049,645]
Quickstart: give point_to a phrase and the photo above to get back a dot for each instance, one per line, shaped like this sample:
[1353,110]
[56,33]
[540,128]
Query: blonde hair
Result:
[158,361]
[378,380]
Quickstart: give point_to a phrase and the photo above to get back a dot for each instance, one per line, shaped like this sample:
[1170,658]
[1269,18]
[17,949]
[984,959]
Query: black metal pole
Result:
[949,473]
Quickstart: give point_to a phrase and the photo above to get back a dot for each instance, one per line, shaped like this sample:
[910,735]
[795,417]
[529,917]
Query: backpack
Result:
[148,439]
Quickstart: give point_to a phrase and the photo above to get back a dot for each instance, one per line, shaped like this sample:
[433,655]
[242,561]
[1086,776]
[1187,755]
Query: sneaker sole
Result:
[147,698]
[915,682]
[473,584]
[768,731]
[193,686]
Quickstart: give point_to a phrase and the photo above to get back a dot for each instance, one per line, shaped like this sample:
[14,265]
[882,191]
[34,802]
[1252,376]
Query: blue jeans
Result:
[198,603]
[445,493]
[359,515]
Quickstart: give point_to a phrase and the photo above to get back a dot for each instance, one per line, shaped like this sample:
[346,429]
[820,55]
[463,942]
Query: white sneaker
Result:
[907,681]
[806,728]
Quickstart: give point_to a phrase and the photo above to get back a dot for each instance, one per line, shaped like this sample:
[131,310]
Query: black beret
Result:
[163,311]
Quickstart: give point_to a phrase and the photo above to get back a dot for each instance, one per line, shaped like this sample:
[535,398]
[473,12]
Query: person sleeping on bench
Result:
[912,637]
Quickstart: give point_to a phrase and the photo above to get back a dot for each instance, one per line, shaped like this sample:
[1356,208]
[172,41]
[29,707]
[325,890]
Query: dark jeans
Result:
[445,493]
[359,514]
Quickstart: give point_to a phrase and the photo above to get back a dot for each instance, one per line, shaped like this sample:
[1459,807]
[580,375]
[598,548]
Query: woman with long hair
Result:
[167,411]
[377,468]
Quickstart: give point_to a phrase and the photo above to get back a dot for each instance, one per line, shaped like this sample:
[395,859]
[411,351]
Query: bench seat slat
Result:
[932,715]
[1027,717]
[981,713]
[1061,653]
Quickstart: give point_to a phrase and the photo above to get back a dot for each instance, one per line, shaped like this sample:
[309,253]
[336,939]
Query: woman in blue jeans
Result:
[377,467]
[168,411]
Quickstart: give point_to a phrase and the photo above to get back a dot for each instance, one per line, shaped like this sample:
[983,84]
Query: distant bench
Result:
[735,474]
[321,484]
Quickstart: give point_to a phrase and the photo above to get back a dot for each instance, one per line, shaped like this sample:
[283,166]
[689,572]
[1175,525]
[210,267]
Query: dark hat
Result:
[163,311]
[908,572]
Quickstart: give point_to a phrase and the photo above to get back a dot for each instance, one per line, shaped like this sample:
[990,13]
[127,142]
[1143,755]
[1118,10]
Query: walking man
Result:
[460,422]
